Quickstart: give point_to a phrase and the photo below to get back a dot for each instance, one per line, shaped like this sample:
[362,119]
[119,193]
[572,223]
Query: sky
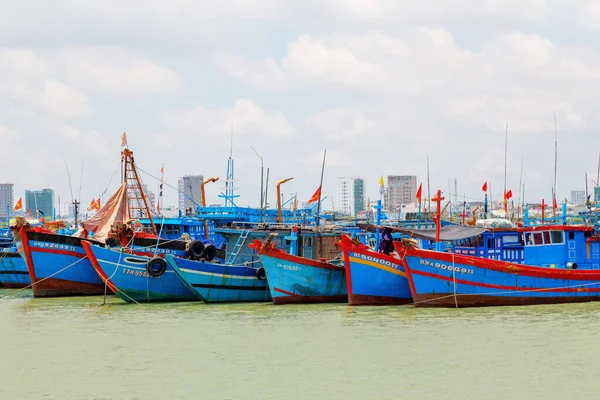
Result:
[382,85]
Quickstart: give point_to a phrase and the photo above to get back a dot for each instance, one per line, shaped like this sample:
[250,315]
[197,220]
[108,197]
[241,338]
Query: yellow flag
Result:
[381,181]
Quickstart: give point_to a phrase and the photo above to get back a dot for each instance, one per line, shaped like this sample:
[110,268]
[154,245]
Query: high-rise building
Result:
[6,200]
[577,196]
[401,189]
[40,202]
[189,187]
[350,196]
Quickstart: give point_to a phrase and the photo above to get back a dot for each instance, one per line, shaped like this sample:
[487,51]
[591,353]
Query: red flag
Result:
[124,140]
[98,204]
[554,205]
[508,195]
[484,187]
[28,212]
[19,204]
[419,190]
[315,197]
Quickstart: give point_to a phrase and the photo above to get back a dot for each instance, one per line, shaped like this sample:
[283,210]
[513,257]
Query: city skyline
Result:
[383,86]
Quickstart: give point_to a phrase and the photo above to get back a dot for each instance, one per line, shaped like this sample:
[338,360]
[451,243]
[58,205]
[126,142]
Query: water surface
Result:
[77,348]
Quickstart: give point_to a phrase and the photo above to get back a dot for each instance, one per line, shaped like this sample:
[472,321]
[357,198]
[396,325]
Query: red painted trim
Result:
[502,287]
[408,271]
[505,266]
[28,258]
[286,292]
[345,244]
[278,254]
[94,261]
[57,251]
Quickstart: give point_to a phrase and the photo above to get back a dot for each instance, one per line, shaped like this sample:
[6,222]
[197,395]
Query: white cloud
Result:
[64,100]
[118,72]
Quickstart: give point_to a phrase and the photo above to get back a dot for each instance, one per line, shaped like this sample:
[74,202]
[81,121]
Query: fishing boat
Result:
[216,283]
[373,278]
[58,264]
[137,277]
[13,270]
[560,265]
[296,279]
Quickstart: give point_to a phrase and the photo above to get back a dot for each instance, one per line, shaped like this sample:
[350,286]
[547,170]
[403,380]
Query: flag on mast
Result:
[124,140]
[19,204]
[315,197]
[419,191]
[160,188]
[484,187]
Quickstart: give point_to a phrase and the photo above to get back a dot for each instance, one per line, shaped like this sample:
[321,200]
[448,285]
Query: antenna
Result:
[69,176]
[520,183]
[555,167]
[81,179]
[428,194]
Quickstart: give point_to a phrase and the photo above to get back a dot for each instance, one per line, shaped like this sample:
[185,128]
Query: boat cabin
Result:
[559,246]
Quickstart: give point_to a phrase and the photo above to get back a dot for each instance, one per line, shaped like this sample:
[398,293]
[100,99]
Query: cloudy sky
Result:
[382,85]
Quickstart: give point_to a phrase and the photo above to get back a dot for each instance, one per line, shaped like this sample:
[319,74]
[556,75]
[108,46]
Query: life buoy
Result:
[196,248]
[156,267]
[209,252]
[261,274]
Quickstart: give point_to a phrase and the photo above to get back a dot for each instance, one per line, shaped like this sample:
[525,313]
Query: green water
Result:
[74,348]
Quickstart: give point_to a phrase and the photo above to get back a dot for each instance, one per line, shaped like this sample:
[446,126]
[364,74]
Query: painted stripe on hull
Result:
[14,273]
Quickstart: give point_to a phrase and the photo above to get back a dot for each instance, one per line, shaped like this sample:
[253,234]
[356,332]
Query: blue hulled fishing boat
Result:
[13,270]
[216,283]
[373,278]
[561,264]
[296,279]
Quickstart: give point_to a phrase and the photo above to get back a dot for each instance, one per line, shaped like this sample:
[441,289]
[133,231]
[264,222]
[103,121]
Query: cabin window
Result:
[529,239]
[169,229]
[537,238]
[557,237]
[571,235]
[546,236]
[176,229]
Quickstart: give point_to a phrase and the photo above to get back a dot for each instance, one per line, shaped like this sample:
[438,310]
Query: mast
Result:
[428,193]
[555,168]
[316,247]
[505,151]
[520,183]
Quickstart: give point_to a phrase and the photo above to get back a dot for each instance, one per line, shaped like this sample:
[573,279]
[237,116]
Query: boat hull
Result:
[218,283]
[13,271]
[126,275]
[294,279]
[374,278]
[58,265]
[443,280]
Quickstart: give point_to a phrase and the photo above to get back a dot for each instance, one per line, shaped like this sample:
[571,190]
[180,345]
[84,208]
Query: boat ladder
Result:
[238,247]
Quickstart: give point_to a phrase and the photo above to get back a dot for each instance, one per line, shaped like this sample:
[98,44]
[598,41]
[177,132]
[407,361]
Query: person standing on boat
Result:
[385,245]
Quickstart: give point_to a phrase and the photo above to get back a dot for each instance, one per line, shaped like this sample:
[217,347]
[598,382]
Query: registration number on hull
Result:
[446,267]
